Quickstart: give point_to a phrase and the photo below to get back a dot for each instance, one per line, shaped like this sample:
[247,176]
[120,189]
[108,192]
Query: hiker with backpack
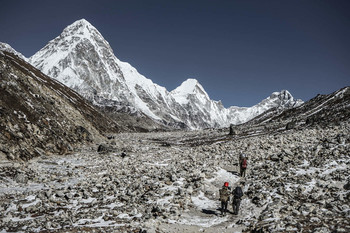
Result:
[224,197]
[243,165]
[237,196]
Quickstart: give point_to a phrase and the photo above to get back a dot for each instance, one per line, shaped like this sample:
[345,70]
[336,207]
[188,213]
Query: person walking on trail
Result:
[237,196]
[243,165]
[224,197]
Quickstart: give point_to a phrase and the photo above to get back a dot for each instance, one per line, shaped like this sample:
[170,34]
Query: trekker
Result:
[237,195]
[224,197]
[243,165]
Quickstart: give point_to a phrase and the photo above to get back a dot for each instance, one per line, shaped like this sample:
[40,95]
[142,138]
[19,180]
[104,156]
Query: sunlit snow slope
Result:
[83,60]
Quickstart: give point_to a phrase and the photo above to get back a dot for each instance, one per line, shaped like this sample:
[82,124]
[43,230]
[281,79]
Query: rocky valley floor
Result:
[297,181]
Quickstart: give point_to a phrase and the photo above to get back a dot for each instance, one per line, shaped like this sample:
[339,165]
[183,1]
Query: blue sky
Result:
[240,51]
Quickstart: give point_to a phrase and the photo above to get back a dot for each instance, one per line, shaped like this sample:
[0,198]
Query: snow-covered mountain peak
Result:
[282,99]
[79,26]
[72,36]
[8,48]
[81,23]
[83,60]
[75,56]
[284,94]
[189,87]
[82,28]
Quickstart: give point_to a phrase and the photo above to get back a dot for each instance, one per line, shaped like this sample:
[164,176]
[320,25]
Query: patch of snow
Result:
[309,186]
[165,200]
[88,200]
[157,164]
[113,205]
[97,222]
[12,207]
[223,176]
[202,221]
[17,219]
[31,198]
[202,202]
[124,215]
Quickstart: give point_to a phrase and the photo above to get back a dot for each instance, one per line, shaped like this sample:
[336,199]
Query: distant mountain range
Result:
[39,115]
[321,110]
[83,60]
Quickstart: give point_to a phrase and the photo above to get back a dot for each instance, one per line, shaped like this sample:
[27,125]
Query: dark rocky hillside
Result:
[39,115]
[320,111]
[135,121]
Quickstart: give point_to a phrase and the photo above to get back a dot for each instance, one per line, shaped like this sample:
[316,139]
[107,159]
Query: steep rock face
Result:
[83,60]
[39,115]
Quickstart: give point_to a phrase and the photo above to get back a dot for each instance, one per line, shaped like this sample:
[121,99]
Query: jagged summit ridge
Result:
[79,25]
[82,59]
[283,98]
[57,54]
[187,88]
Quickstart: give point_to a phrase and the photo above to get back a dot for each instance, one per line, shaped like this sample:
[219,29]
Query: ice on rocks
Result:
[202,202]
[177,186]
[202,221]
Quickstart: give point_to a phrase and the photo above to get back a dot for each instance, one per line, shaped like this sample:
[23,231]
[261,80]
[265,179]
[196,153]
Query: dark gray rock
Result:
[21,178]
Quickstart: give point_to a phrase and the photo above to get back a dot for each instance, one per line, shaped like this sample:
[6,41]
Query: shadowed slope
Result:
[40,115]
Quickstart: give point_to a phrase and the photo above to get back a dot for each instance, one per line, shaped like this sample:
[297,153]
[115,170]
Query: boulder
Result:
[21,178]
[290,125]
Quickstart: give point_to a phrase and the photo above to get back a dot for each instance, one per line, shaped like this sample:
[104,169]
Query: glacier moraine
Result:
[297,180]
